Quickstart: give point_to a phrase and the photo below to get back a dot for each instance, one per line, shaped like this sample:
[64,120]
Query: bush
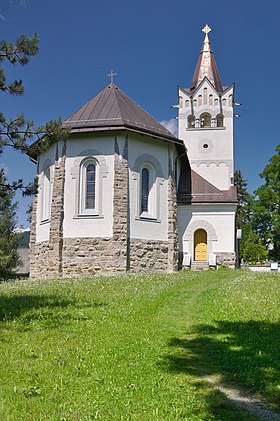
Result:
[255,253]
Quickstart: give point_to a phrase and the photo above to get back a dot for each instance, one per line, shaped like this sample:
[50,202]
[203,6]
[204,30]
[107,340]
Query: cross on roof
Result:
[206,29]
[111,75]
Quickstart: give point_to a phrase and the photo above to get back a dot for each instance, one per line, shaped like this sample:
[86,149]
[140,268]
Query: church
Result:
[123,194]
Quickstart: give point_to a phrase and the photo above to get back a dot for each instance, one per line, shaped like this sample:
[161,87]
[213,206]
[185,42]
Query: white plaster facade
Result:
[210,149]
[101,148]
[217,221]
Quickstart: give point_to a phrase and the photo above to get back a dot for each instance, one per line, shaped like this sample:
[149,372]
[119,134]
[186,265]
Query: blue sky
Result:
[153,45]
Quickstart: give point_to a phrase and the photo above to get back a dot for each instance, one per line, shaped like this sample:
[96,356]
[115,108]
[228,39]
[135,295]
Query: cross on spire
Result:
[206,29]
[111,75]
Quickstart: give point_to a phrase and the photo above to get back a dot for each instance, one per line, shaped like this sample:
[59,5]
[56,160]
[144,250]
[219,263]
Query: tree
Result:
[255,251]
[19,133]
[244,211]
[245,200]
[9,240]
[266,212]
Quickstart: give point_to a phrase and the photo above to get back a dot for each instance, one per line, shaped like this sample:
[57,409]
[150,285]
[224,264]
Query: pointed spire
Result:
[206,65]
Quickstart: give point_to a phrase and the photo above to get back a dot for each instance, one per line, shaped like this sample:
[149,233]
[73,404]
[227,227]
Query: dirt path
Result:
[247,402]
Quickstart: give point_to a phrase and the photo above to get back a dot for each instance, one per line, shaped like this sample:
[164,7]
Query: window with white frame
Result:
[149,179]
[148,191]
[145,189]
[88,187]
[89,171]
[46,195]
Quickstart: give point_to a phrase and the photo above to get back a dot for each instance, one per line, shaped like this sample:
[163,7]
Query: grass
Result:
[138,347]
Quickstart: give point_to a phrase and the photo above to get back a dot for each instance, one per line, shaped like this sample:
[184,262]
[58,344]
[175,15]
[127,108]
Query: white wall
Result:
[97,226]
[46,158]
[140,227]
[214,163]
[220,217]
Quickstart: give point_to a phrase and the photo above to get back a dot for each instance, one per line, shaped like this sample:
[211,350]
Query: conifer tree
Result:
[9,240]
[18,132]
[245,200]
[244,211]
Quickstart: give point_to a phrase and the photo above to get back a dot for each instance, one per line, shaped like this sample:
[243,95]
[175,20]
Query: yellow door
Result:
[200,245]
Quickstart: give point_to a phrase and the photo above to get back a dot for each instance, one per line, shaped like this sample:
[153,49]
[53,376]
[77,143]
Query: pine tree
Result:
[18,132]
[266,215]
[244,211]
[244,208]
[9,240]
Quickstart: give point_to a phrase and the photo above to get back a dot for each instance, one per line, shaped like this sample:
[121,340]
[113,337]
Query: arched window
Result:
[187,102]
[149,179]
[199,100]
[46,195]
[220,120]
[145,190]
[90,186]
[205,120]
[210,99]
[148,197]
[191,121]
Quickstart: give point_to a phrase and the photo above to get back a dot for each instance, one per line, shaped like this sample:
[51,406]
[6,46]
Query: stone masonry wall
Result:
[225,258]
[46,256]
[57,216]
[40,257]
[172,227]
[120,242]
[87,256]
[148,255]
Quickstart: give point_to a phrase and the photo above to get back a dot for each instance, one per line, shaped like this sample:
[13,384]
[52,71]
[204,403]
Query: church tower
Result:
[206,121]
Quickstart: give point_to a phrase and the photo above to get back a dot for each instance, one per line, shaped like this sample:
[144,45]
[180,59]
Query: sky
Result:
[153,46]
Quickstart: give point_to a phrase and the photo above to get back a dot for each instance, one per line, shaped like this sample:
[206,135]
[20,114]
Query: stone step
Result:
[199,265]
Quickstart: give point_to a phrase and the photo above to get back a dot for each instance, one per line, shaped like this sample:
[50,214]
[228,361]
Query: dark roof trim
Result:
[148,132]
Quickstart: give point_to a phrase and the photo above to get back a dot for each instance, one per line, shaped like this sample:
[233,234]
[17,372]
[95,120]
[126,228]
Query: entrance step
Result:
[199,265]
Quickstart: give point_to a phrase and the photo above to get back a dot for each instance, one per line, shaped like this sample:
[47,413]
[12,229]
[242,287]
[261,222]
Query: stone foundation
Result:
[87,256]
[40,265]
[91,256]
[148,255]
[225,258]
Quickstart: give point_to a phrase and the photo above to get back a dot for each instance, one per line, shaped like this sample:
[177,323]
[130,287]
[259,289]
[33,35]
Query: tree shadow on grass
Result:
[244,355]
[50,309]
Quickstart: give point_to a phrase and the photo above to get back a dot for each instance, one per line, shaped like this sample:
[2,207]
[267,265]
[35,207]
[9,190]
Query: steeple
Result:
[206,65]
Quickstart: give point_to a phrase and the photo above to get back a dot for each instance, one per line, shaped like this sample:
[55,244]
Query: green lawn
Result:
[138,347]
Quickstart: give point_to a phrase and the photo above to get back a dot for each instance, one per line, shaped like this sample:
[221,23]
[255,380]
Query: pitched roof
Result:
[198,190]
[206,67]
[111,109]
